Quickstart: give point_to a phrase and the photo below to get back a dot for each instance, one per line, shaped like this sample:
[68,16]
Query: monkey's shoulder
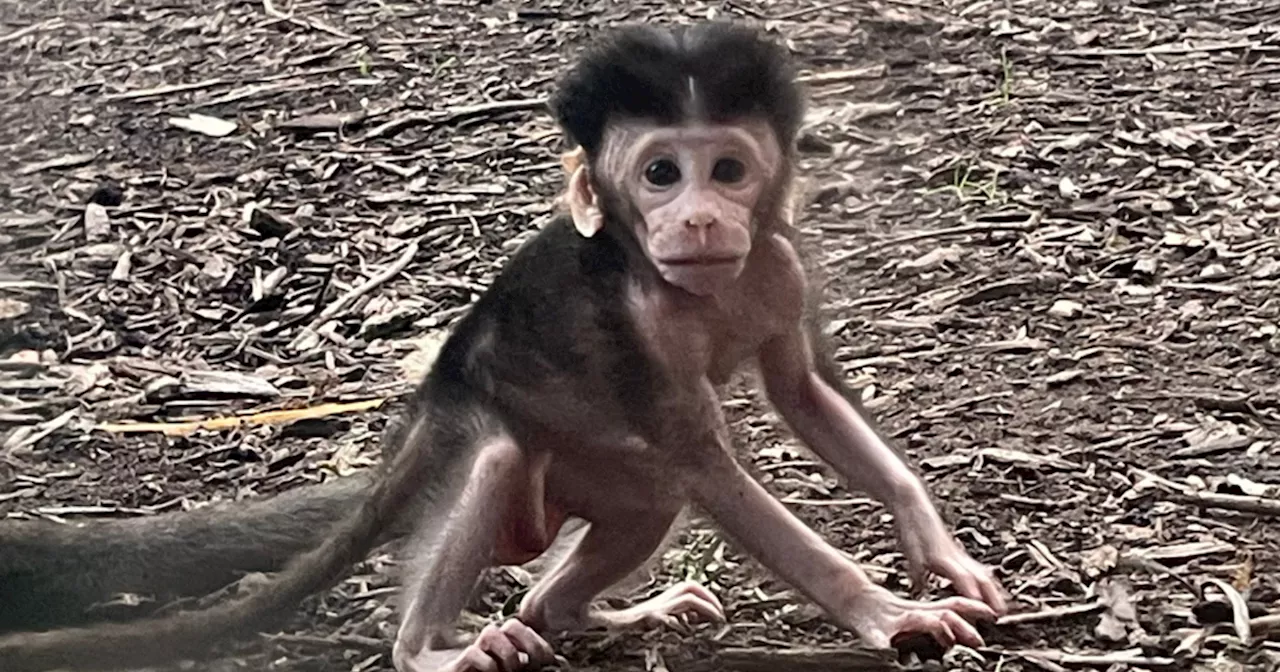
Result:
[546,314]
[559,273]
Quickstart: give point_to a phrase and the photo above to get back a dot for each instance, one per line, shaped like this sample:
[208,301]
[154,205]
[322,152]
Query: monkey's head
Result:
[684,143]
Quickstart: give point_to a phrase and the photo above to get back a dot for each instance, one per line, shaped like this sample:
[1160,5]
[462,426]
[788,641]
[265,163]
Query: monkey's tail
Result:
[193,634]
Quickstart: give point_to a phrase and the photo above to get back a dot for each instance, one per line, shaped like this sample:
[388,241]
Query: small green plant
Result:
[438,65]
[1006,77]
[699,560]
[967,188]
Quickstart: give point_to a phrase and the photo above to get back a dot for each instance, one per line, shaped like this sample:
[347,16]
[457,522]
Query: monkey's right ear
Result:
[587,217]
[570,160]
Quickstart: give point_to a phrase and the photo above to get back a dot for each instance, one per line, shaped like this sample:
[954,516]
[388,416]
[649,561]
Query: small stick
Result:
[1264,626]
[1050,614]
[839,76]
[981,227]
[1161,50]
[335,641]
[454,115]
[33,28]
[345,300]
[792,16]
[314,24]
[1103,660]
[164,90]
[797,660]
[1246,503]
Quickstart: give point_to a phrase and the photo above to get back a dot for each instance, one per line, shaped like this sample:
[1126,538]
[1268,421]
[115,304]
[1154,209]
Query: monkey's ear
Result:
[796,200]
[571,160]
[587,218]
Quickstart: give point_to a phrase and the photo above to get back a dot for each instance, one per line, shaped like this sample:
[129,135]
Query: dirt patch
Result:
[1050,231]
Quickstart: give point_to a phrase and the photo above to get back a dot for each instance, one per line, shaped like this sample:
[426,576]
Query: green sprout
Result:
[1006,76]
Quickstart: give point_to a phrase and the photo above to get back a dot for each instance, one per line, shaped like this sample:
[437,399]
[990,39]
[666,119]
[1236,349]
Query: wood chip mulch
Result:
[1051,230]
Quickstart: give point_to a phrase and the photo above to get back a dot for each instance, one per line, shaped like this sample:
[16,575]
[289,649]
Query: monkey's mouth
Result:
[702,275]
[702,261]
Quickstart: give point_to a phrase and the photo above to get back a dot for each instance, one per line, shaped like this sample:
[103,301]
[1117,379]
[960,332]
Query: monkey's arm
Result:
[51,574]
[809,397]
[833,424]
[786,546]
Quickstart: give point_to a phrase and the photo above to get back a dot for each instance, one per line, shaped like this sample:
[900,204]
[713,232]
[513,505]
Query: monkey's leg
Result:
[427,640]
[611,550]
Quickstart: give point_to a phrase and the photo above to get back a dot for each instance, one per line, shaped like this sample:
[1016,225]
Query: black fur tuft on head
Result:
[643,72]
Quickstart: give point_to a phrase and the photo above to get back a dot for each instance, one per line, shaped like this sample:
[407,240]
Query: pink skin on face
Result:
[696,187]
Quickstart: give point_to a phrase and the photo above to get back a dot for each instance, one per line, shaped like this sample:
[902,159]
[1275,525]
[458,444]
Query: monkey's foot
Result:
[676,607]
[498,648]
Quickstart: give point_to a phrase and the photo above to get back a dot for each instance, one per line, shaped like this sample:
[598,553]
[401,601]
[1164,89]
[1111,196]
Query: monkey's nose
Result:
[700,220]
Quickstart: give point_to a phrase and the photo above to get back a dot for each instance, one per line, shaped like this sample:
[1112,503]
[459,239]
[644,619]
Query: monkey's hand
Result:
[498,648]
[929,547]
[881,618]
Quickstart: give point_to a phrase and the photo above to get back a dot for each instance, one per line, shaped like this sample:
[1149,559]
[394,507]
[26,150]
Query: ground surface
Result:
[1050,227]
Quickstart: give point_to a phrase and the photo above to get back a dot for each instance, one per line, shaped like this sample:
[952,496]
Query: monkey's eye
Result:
[728,171]
[662,173]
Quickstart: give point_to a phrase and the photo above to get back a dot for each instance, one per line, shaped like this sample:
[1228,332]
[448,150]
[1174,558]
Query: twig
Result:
[33,28]
[797,660]
[1155,567]
[1133,657]
[164,90]
[979,227]
[345,300]
[454,115]
[1161,50]
[334,641]
[792,16]
[839,76]
[314,24]
[1246,503]
[27,284]
[1050,614]
[1265,626]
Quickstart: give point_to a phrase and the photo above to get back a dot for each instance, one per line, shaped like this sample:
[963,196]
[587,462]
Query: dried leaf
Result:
[204,124]
[11,309]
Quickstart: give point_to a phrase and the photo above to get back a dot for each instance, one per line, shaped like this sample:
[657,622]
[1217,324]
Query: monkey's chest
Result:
[713,344]
[726,354]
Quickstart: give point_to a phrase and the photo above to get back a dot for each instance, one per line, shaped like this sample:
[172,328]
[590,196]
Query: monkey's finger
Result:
[474,659]
[918,573]
[970,609]
[530,642]
[703,592]
[992,593]
[695,606]
[964,632]
[499,646]
[965,581]
[932,624]
[670,622]
[975,580]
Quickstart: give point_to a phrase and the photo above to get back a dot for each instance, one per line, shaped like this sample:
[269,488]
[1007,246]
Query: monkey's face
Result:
[696,190]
